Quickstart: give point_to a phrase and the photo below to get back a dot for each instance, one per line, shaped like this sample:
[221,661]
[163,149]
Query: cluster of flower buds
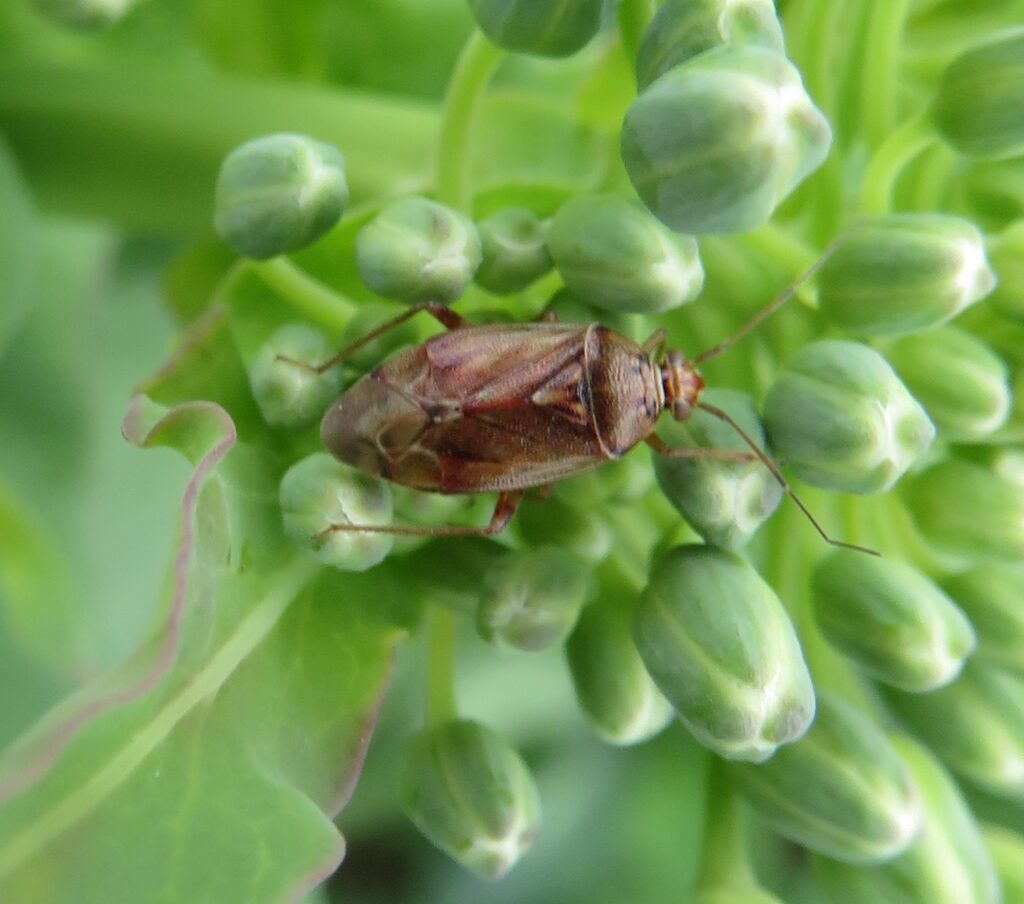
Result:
[888,403]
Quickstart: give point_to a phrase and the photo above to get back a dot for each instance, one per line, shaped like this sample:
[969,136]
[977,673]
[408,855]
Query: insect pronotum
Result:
[503,408]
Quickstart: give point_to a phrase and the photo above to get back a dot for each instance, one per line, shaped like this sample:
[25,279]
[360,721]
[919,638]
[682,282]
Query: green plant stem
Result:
[442,631]
[634,17]
[724,863]
[889,161]
[477,63]
[138,144]
[880,69]
[307,295]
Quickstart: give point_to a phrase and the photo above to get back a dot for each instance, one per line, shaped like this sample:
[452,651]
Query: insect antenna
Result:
[777,302]
[777,474]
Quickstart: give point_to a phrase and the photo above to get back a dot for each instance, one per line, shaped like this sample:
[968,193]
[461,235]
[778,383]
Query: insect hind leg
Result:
[504,509]
[443,314]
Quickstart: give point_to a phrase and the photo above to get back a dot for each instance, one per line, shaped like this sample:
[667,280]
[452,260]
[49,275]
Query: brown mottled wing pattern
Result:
[513,406]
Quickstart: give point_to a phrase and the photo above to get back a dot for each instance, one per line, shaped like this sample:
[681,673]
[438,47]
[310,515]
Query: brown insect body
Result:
[504,407]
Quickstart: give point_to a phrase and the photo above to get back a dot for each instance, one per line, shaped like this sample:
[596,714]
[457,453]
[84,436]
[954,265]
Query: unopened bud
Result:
[279,193]
[1006,251]
[287,393]
[719,645]
[842,419]
[614,254]
[318,492]
[991,595]
[964,510]
[981,98]
[724,501]
[538,26]
[841,790]
[682,29]
[515,251]
[471,795]
[715,144]
[946,864]
[903,273]
[959,380]
[531,599]
[975,724]
[612,686]
[891,620]
[417,250]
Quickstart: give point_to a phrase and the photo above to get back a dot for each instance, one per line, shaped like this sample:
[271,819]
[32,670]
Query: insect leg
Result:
[662,448]
[782,482]
[439,312]
[655,344]
[504,509]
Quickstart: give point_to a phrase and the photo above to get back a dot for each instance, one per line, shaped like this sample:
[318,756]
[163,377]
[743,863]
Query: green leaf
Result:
[208,766]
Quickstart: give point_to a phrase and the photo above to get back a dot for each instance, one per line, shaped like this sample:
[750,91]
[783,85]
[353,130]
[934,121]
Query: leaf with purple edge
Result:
[209,765]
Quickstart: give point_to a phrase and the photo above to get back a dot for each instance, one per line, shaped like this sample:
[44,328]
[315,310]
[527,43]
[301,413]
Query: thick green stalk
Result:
[724,863]
[476,65]
[310,297]
[889,161]
[140,145]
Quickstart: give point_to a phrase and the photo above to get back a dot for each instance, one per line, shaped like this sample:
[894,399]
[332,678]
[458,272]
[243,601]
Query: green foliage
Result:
[197,737]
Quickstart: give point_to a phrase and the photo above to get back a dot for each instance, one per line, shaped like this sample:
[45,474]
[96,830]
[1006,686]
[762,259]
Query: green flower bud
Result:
[903,273]
[964,510]
[612,686]
[579,531]
[724,501]
[891,620]
[946,864]
[471,795]
[841,791]
[992,597]
[287,394]
[975,724]
[317,492]
[718,643]
[682,29]
[842,420]
[531,599]
[279,193]
[718,142]
[613,254]
[515,251]
[538,26]
[960,381]
[1006,252]
[1006,848]
[417,250]
[83,14]
[980,105]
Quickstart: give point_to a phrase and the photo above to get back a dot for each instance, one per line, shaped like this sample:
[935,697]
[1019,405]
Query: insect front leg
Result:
[443,314]
[662,448]
[504,509]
